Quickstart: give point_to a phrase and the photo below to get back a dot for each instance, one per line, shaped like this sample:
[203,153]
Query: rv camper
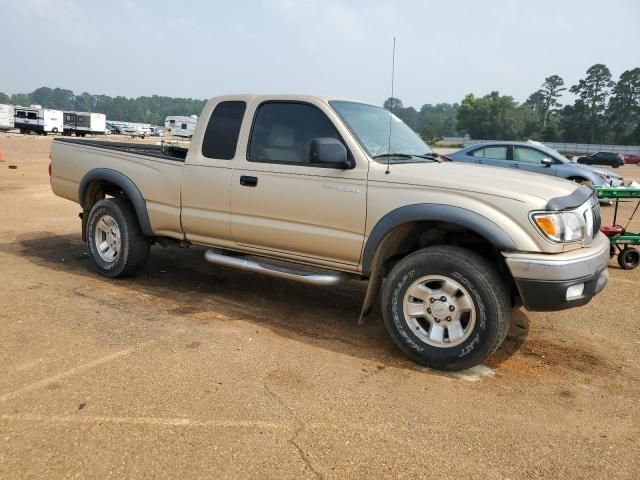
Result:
[6,117]
[181,126]
[84,123]
[38,119]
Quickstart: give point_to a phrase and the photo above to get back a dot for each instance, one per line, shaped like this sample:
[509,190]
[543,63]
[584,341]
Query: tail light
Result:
[445,158]
[49,168]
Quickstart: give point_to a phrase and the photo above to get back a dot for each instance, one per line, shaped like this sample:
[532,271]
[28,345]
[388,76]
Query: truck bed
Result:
[166,152]
[155,170]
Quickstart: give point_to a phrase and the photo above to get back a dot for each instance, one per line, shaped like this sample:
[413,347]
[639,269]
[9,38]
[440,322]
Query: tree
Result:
[4,98]
[20,99]
[623,113]
[393,104]
[432,130]
[574,122]
[593,92]
[552,89]
[536,102]
[496,117]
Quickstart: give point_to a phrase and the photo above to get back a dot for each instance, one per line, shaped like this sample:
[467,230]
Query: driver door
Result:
[530,159]
[284,206]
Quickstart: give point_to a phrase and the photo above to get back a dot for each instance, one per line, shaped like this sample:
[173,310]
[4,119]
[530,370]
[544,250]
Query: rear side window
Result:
[221,137]
[32,115]
[21,115]
[282,132]
[496,153]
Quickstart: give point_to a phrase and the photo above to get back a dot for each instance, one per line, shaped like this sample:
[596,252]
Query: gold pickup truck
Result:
[322,191]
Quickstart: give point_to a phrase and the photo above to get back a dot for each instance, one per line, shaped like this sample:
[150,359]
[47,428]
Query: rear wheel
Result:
[446,307]
[116,243]
[629,258]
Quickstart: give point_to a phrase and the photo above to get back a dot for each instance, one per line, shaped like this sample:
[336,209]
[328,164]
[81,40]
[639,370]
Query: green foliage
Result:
[432,121]
[151,110]
[593,91]
[496,116]
[623,112]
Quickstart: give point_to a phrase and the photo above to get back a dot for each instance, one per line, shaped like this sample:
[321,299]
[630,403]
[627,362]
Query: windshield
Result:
[370,125]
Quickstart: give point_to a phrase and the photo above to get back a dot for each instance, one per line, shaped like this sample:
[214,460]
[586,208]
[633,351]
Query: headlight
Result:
[564,227]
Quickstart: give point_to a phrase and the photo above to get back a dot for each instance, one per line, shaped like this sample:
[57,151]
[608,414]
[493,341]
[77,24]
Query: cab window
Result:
[221,136]
[282,132]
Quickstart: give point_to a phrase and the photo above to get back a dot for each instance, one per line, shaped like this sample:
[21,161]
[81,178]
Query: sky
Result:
[200,49]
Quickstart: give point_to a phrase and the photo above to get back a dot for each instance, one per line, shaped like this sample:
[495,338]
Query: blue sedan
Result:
[535,157]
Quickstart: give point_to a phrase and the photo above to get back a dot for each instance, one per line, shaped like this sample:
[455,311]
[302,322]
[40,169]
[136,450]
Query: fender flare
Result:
[433,212]
[127,186]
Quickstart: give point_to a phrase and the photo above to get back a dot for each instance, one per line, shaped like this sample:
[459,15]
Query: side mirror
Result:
[547,162]
[329,153]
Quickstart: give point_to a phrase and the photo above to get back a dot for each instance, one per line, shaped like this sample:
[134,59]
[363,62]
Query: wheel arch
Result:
[99,182]
[397,232]
[429,212]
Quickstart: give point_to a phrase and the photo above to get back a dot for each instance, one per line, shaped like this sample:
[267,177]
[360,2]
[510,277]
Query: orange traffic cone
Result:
[1,156]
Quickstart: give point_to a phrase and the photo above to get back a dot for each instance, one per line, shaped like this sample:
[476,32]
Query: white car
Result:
[134,132]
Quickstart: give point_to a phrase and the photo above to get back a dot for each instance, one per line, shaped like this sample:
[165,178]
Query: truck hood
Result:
[527,187]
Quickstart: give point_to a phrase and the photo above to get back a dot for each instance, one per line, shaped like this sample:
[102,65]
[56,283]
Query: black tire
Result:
[484,286]
[134,245]
[629,258]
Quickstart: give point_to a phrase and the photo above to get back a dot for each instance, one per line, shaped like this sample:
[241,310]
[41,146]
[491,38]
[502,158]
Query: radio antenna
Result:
[393,73]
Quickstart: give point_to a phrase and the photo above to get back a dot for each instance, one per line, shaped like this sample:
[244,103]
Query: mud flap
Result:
[386,249]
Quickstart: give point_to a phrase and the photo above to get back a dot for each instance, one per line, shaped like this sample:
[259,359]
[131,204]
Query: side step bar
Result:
[325,278]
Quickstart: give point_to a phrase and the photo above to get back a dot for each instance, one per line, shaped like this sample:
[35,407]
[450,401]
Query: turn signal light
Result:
[548,225]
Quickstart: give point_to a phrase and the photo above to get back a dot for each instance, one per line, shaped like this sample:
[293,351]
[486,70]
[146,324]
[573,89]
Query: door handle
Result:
[248,181]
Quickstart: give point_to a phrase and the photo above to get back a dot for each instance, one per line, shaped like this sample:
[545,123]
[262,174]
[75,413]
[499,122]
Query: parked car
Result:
[115,129]
[535,157]
[316,190]
[155,132]
[632,159]
[610,159]
[134,132]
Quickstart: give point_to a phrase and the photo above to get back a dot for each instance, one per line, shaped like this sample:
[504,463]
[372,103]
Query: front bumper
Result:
[543,280]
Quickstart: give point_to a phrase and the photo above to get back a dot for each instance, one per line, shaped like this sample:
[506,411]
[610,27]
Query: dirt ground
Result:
[194,371]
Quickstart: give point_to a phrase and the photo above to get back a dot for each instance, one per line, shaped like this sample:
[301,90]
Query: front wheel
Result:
[116,243]
[446,307]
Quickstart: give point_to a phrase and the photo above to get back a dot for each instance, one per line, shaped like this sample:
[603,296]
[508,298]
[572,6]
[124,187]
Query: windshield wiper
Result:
[427,156]
[401,155]
[430,156]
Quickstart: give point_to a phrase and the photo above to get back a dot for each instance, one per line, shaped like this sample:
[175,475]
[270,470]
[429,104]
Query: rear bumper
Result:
[556,282]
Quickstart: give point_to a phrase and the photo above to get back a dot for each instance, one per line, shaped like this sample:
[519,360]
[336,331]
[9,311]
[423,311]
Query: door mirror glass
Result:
[329,152]
[547,162]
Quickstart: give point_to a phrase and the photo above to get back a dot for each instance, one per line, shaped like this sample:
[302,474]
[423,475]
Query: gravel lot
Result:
[191,371]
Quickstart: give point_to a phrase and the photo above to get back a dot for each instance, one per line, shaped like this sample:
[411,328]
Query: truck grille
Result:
[596,217]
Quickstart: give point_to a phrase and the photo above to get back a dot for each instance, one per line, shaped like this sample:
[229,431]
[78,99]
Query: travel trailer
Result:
[84,123]
[181,126]
[6,117]
[38,119]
